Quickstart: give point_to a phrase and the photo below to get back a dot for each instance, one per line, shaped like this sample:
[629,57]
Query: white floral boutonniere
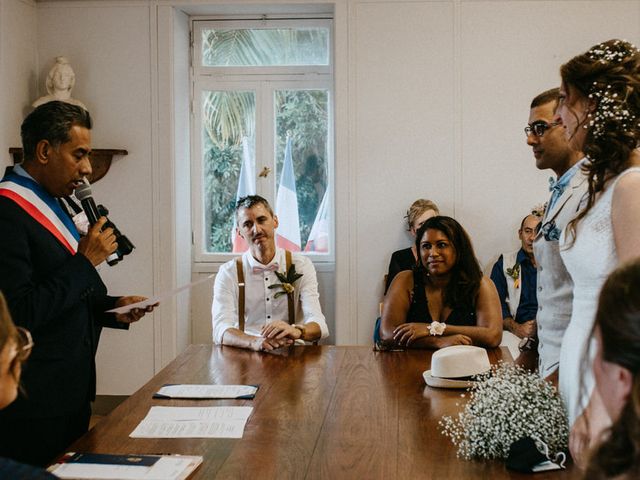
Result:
[286,281]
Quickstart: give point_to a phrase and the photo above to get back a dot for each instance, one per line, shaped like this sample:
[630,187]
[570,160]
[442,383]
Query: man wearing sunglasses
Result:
[546,137]
[49,278]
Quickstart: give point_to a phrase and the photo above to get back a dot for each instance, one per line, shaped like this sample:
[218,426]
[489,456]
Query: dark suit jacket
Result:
[60,298]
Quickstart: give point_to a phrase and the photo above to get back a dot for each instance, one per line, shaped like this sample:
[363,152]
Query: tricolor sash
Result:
[42,207]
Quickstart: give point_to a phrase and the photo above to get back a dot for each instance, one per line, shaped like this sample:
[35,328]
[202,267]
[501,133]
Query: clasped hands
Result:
[408,333]
[276,335]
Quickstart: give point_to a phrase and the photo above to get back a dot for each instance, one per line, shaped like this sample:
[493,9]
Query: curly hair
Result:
[618,318]
[466,274]
[608,75]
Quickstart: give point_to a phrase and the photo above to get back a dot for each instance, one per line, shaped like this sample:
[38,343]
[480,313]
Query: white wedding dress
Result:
[589,261]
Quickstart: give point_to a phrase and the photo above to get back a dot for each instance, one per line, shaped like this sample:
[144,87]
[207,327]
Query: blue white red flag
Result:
[319,237]
[288,232]
[246,186]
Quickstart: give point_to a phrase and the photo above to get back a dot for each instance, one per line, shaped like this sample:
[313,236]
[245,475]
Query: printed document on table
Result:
[207,391]
[193,422]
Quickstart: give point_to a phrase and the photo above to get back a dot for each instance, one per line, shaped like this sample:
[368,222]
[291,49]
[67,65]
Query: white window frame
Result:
[264,81]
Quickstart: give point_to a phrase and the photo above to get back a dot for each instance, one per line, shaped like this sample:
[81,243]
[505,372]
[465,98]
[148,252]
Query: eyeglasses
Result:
[538,128]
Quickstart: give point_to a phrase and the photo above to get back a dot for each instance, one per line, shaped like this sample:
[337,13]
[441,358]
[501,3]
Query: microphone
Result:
[83,193]
[94,212]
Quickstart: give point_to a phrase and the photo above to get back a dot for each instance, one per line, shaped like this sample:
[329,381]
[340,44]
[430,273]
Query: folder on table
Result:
[99,466]
[201,392]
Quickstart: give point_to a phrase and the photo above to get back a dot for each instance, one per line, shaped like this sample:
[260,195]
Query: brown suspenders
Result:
[241,292]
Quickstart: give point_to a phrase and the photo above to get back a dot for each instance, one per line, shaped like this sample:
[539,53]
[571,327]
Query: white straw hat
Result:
[451,365]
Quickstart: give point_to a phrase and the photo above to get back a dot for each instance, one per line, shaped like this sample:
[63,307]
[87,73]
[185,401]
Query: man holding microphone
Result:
[48,275]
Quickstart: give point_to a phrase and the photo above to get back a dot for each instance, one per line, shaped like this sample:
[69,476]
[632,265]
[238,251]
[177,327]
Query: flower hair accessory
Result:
[611,101]
[437,328]
[607,53]
[286,281]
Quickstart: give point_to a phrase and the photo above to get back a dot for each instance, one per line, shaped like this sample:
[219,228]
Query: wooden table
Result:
[321,412]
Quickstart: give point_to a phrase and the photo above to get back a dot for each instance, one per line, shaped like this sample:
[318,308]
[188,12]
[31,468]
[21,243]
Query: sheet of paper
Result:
[158,298]
[207,391]
[193,422]
[166,468]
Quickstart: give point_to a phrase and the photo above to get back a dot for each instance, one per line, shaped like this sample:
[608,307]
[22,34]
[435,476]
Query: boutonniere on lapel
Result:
[550,231]
[286,281]
[514,272]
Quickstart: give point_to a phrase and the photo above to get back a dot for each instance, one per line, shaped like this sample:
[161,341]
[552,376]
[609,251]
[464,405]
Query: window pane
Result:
[228,138]
[265,47]
[302,171]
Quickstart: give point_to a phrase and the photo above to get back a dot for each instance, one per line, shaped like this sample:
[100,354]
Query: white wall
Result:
[18,69]
[431,100]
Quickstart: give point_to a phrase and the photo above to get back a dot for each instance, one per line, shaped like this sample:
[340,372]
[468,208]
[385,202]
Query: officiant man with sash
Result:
[267,298]
[48,275]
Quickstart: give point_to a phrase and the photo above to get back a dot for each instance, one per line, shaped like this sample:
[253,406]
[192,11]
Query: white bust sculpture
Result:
[60,82]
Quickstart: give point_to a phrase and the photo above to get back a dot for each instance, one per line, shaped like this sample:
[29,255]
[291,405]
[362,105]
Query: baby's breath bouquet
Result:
[505,405]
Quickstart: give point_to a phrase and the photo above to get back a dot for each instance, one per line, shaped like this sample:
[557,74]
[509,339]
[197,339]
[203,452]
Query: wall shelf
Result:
[100,159]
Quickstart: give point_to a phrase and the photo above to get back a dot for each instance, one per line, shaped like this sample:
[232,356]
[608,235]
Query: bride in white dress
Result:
[600,111]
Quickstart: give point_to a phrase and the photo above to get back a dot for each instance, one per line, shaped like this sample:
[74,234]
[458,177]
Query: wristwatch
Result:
[528,343]
[302,329]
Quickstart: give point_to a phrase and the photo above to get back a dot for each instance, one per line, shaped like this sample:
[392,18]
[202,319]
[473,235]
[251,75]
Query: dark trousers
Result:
[39,441]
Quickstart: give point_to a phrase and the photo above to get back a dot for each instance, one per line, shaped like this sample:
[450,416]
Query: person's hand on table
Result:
[407,333]
[456,339]
[134,314]
[262,344]
[280,330]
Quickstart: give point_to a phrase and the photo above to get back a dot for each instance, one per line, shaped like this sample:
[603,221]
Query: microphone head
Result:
[83,191]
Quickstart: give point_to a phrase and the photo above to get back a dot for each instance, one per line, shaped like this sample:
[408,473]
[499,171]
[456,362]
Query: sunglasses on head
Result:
[538,128]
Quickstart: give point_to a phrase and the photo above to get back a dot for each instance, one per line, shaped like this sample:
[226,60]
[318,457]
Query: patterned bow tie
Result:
[555,186]
[267,268]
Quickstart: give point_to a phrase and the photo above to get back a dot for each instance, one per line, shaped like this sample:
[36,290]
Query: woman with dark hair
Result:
[419,212]
[617,373]
[445,300]
[15,347]
[600,111]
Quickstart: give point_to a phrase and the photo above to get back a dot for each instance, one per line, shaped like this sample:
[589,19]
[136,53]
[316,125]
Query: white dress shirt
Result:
[260,305]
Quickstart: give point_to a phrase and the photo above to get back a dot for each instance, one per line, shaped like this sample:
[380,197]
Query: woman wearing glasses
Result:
[15,347]
[600,112]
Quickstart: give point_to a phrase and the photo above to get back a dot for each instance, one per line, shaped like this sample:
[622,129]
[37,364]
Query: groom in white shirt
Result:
[253,308]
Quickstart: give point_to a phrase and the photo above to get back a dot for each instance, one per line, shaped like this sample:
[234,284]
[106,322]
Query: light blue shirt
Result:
[558,187]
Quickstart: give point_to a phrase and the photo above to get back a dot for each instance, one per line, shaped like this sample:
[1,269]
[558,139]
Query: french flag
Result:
[246,186]
[288,232]
[319,237]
